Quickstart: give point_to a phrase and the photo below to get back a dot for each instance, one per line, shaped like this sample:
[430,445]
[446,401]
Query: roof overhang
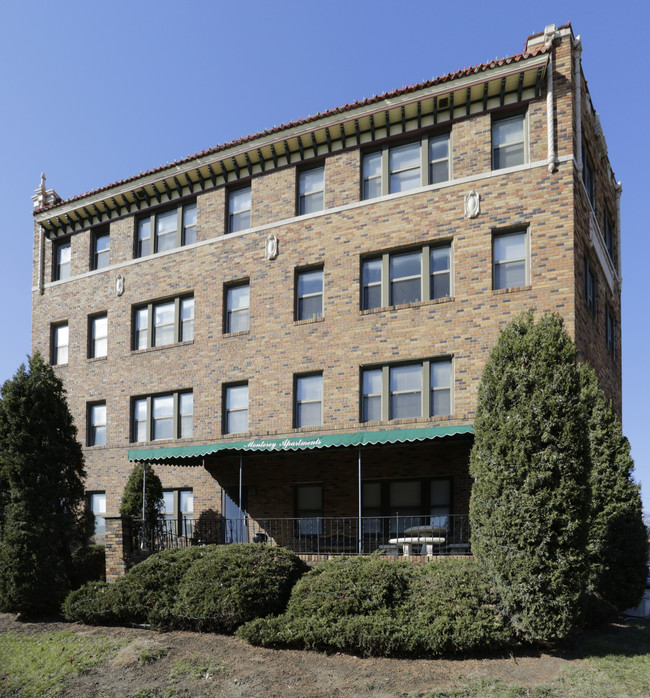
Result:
[468,92]
[180,455]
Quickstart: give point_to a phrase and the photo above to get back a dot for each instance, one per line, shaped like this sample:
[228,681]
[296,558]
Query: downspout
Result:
[551,157]
[577,46]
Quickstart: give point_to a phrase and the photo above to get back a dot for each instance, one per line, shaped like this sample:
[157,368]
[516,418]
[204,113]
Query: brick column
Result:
[118,546]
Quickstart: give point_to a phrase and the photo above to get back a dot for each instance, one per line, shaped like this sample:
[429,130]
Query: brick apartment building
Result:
[298,320]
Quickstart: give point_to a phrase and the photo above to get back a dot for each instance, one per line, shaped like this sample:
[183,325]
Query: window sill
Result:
[236,334]
[165,346]
[310,320]
[303,430]
[408,420]
[93,359]
[414,304]
[512,289]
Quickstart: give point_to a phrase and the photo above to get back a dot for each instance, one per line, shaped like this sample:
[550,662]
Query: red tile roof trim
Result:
[463,72]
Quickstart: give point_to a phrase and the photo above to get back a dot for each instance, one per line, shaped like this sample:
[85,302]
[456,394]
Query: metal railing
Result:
[391,535]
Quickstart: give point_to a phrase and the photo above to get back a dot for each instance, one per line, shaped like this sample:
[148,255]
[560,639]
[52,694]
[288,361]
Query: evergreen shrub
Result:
[378,607]
[88,565]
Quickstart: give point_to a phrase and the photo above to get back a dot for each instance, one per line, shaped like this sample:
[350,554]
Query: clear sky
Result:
[94,92]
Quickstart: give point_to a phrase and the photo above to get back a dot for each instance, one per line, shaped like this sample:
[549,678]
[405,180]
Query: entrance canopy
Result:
[302,442]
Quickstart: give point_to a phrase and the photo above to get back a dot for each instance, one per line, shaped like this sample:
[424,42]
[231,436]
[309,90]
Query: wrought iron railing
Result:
[390,535]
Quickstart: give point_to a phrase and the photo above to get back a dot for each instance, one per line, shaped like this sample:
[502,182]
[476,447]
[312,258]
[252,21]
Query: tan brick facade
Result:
[551,207]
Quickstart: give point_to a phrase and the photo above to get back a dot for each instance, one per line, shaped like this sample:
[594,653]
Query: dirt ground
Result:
[242,670]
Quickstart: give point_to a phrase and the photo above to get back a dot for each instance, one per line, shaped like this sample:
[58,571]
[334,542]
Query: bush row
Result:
[375,606]
[213,588]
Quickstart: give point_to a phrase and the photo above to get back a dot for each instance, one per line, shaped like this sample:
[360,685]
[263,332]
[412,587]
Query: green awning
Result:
[302,442]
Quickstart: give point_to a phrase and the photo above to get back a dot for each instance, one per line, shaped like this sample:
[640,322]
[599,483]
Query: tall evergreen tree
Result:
[131,504]
[530,460]
[42,516]
[617,544]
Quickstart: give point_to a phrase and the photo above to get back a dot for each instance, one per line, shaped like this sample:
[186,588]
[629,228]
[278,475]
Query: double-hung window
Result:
[98,331]
[237,314]
[239,209]
[166,230]
[161,323]
[236,409]
[308,407]
[178,507]
[101,252]
[406,391]
[509,142]
[311,190]
[168,416]
[309,509]
[510,255]
[610,237]
[309,294]
[97,506]
[395,278]
[60,340]
[404,167]
[610,330]
[588,175]
[62,257]
[97,424]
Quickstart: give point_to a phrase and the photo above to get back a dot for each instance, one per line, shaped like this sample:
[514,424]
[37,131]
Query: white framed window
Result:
[98,331]
[179,511]
[237,316]
[97,505]
[239,209]
[311,190]
[236,408]
[509,142]
[166,230]
[510,260]
[309,294]
[166,416]
[308,408]
[97,424]
[407,166]
[407,390]
[396,278]
[161,323]
[101,254]
[62,260]
[60,340]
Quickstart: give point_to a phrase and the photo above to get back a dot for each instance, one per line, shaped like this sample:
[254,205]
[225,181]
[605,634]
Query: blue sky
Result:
[92,93]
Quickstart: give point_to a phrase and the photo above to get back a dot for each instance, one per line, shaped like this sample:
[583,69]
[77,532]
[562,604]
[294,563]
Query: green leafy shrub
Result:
[530,462]
[374,606]
[236,583]
[88,565]
[92,604]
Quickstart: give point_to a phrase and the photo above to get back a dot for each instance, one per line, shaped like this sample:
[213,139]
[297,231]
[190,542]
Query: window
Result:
[98,335]
[60,337]
[412,502]
[237,314]
[158,324]
[510,260]
[588,175]
[509,142]
[308,400]
[311,186]
[236,409]
[590,287]
[167,416]
[397,391]
[97,506]
[309,509]
[404,167]
[97,424]
[610,331]
[62,256]
[610,237]
[309,294]
[395,278]
[239,210]
[101,250]
[179,511]
[166,230]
